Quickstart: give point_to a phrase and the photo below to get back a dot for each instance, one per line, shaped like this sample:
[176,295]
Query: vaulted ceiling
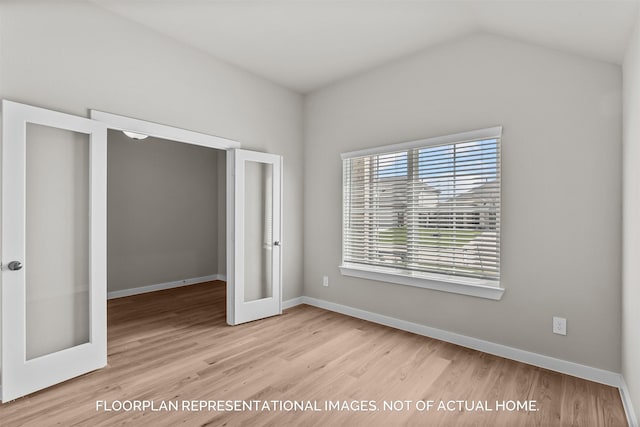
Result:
[304,45]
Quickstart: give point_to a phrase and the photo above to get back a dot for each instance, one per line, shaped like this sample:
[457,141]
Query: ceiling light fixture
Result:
[135,135]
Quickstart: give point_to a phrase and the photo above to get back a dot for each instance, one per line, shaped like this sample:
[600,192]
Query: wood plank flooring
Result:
[174,346]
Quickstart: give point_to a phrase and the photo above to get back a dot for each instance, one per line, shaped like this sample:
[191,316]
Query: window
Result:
[426,213]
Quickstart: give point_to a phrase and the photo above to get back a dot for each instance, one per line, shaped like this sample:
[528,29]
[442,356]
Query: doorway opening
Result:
[253,216]
[166,214]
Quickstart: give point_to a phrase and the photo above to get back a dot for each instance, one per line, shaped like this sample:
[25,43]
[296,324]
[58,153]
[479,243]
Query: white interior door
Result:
[53,248]
[254,188]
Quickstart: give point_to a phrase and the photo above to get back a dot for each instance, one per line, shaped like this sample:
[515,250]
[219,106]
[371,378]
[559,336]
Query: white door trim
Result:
[157,130]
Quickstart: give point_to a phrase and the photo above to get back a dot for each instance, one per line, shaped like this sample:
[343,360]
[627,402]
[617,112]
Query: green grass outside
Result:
[430,236]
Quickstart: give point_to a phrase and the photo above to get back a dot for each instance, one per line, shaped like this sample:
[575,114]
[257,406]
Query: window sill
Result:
[475,288]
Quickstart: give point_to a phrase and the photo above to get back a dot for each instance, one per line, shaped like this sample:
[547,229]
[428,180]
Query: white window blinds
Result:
[426,207]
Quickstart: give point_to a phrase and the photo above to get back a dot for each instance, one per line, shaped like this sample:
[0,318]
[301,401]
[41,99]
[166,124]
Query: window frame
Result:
[476,287]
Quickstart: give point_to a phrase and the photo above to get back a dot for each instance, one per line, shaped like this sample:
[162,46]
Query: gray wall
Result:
[74,56]
[163,211]
[561,240]
[631,223]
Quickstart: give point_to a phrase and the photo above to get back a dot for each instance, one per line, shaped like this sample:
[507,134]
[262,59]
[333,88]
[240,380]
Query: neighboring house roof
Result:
[475,199]
[479,192]
[483,195]
[393,182]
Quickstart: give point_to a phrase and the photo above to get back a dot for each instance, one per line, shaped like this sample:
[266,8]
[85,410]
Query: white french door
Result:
[53,248]
[54,241]
[254,188]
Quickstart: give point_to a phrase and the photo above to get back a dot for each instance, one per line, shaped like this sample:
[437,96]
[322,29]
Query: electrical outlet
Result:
[325,281]
[560,325]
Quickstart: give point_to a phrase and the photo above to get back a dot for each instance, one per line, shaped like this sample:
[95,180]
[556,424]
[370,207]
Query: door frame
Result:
[157,130]
[123,123]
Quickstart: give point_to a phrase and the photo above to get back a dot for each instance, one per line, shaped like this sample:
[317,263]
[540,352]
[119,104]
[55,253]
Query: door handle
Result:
[15,265]
[276,243]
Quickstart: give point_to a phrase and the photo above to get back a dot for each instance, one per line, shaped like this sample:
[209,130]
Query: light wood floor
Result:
[174,346]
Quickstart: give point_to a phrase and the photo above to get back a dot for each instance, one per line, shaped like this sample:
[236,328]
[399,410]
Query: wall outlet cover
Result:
[560,325]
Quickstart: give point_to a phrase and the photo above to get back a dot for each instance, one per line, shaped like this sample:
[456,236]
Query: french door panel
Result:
[53,248]
[254,223]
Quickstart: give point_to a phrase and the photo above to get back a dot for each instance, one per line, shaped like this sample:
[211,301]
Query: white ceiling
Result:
[304,45]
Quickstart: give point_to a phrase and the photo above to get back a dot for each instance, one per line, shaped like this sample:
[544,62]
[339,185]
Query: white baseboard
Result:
[161,286]
[292,302]
[627,403]
[577,370]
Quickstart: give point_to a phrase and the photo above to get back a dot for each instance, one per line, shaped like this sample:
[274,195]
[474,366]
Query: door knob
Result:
[276,243]
[15,265]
